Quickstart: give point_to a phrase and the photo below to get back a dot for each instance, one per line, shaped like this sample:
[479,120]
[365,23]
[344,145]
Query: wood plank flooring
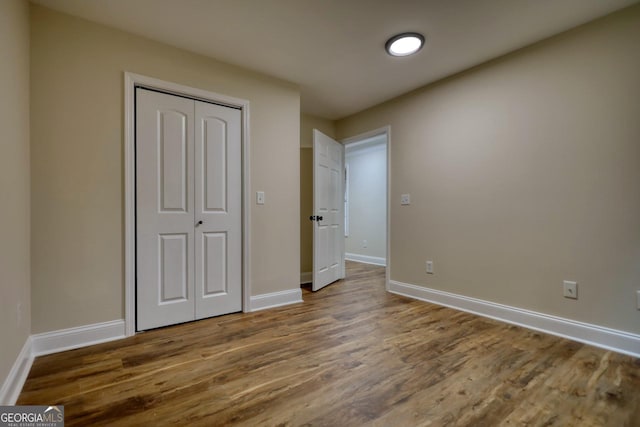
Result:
[351,355]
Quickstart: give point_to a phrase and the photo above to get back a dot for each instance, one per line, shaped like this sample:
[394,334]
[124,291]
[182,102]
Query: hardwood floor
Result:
[351,355]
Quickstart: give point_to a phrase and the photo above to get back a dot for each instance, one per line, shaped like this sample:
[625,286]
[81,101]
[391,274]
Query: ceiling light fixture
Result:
[404,44]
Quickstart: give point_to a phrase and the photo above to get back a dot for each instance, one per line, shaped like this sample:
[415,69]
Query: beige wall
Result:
[77,163]
[307,124]
[14,182]
[523,172]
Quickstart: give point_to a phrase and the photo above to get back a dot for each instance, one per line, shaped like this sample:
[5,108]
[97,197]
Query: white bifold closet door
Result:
[188,209]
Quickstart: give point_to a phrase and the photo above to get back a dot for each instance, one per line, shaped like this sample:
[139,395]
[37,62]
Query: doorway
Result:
[367,198]
[382,139]
[366,201]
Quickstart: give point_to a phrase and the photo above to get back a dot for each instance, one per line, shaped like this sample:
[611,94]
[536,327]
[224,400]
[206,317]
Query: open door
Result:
[328,214]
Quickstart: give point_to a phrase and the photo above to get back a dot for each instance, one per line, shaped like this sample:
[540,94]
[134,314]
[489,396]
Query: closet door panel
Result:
[164,209]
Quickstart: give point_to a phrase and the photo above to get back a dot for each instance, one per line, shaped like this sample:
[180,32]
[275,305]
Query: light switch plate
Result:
[405,199]
[570,289]
[260,197]
[430,267]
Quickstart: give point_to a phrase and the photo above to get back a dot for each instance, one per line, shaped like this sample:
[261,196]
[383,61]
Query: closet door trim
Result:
[131,81]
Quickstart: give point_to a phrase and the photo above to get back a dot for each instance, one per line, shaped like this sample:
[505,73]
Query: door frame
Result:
[385,130]
[131,81]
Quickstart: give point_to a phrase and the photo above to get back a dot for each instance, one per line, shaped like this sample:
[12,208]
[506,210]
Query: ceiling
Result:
[334,49]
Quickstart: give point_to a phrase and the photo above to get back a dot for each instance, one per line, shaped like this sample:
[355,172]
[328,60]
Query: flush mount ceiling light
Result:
[404,44]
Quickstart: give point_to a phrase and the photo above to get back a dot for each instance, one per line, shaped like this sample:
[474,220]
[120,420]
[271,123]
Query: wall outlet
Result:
[405,199]
[19,314]
[570,289]
[638,299]
[430,267]
[364,243]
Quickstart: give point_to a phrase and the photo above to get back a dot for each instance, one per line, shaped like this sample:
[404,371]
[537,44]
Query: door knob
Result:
[315,218]
[199,223]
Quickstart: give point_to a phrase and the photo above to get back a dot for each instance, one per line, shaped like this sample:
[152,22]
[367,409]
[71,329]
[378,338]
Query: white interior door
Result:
[164,215]
[188,209]
[218,210]
[328,205]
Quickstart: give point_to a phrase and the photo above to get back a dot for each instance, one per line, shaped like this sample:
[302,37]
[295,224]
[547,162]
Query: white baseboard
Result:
[275,299]
[366,259]
[599,336]
[17,376]
[306,277]
[68,339]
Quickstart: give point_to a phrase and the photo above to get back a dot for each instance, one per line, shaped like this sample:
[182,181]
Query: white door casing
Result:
[188,188]
[328,210]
